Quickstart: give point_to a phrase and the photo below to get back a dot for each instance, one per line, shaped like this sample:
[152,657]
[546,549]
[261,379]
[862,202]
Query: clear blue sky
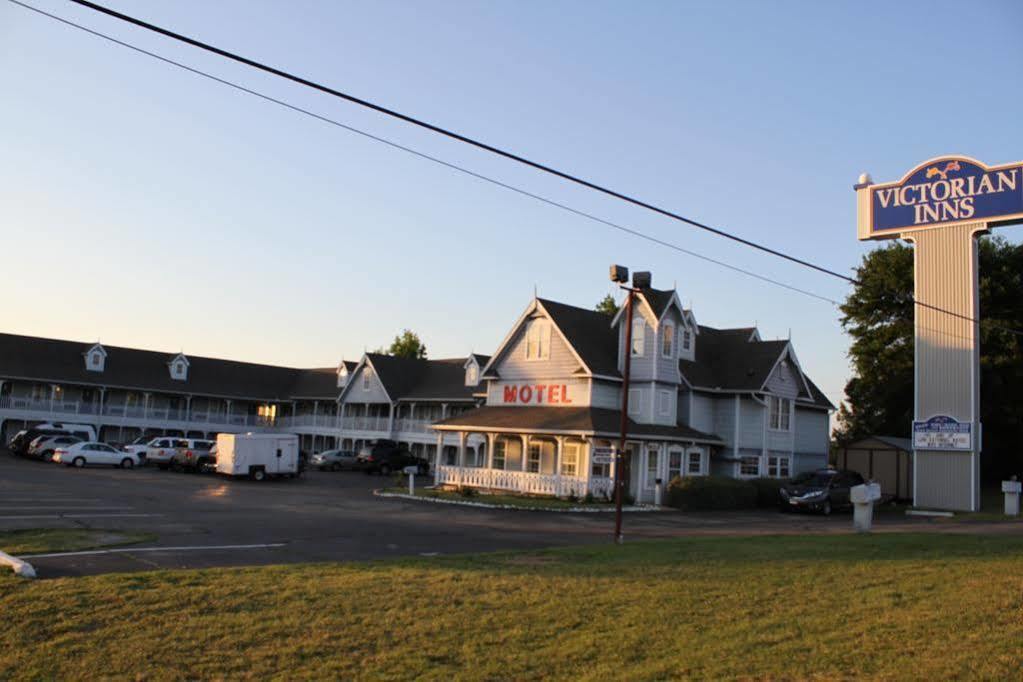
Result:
[148,207]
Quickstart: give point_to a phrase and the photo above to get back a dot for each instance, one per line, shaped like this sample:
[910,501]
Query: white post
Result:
[1012,489]
[411,484]
[390,419]
[558,452]
[438,457]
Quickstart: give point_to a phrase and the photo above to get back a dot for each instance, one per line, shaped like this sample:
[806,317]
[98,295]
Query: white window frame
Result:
[779,414]
[638,337]
[500,453]
[664,403]
[365,380]
[743,460]
[570,456]
[775,468]
[689,463]
[538,447]
[668,341]
[687,339]
[635,401]
[538,340]
[673,470]
[472,373]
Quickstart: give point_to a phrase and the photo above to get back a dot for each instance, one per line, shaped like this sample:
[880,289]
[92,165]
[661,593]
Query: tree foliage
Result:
[407,345]
[878,315]
[607,306]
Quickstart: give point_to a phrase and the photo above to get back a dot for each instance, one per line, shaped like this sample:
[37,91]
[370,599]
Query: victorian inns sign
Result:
[942,191]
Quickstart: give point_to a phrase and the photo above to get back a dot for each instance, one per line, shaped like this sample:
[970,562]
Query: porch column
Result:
[443,410]
[438,457]
[560,440]
[102,395]
[53,393]
[390,419]
[491,442]
[145,406]
[188,408]
[462,436]
[525,453]
[316,409]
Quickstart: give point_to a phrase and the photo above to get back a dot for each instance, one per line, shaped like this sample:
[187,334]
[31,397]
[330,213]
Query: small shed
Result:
[885,459]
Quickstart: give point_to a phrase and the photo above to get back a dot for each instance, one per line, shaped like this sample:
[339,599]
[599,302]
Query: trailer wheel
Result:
[257,474]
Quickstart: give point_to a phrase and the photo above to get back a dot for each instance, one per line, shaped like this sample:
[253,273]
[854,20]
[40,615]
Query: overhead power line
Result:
[475,143]
[454,136]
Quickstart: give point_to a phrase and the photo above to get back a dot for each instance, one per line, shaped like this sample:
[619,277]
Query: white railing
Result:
[47,409]
[517,481]
[327,420]
[366,424]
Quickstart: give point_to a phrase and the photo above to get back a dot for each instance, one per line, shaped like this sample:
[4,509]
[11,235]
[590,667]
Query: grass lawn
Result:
[523,501]
[890,606]
[38,541]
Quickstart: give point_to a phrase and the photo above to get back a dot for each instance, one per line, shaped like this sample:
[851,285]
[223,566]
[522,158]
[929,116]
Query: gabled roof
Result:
[415,379]
[589,333]
[315,383]
[59,361]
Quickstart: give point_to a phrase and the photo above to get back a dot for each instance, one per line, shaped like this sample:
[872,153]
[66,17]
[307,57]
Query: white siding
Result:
[513,364]
[642,367]
[724,420]
[785,380]
[667,368]
[751,426]
[703,413]
[357,394]
[811,435]
[606,394]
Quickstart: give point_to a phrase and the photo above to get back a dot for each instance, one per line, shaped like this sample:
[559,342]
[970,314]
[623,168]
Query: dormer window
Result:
[365,378]
[638,337]
[472,375]
[179,368]
[342,376]
[95,358]
[687,339]
[538,340]
[668,341]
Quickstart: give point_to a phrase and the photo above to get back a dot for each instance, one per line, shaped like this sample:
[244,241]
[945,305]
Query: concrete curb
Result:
[484,505]
[22,568]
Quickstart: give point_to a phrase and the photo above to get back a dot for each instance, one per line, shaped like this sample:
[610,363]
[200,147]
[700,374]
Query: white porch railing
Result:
[517,481]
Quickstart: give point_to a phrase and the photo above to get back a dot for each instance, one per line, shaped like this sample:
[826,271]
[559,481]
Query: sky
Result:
[145,206]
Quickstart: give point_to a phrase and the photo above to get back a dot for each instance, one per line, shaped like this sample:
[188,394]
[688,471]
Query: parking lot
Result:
[206,520]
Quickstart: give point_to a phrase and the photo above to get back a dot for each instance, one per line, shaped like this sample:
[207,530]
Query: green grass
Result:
[39,541]
[522,501]
[882,606]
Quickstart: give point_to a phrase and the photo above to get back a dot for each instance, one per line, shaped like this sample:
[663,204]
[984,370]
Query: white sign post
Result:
[411,471]
[941,206]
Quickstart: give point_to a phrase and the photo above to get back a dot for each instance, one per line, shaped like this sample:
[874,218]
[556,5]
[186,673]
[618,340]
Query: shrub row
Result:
[696,493]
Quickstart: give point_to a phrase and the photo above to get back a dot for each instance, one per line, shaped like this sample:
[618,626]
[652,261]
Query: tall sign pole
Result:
[942,206]
[620,455]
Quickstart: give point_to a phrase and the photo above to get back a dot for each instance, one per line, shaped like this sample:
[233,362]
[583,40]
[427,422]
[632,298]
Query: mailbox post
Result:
[863,498]
[411,471]
[1012,489]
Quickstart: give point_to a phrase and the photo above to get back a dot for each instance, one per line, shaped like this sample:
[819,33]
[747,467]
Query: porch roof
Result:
[570,420]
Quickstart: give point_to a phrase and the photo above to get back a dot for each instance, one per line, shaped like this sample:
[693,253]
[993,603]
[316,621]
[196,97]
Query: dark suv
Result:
[385,456]
[821,491]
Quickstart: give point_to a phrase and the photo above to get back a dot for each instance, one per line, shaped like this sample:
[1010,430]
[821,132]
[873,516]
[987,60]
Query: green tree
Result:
[407,345]
[878,315]
[607,306]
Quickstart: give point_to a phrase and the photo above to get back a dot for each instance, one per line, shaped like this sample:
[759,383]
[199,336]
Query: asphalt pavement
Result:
[203,520]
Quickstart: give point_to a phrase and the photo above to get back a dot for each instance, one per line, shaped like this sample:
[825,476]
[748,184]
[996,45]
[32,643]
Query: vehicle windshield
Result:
[814,479]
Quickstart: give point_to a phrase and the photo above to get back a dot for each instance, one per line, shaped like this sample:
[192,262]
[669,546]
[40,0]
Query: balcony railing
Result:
[47,409]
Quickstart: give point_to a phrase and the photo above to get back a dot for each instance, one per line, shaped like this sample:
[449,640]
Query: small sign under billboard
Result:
[603,456]
[942,433]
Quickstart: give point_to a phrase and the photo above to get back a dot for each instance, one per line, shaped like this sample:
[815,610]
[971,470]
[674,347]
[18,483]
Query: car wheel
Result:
[335,467]
[258,475]
[48,455]
[826,508]
[127,463]
[78,462]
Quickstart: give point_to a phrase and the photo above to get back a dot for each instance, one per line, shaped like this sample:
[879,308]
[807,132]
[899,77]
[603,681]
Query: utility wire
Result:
[472,142]
[453,135]
[446,164]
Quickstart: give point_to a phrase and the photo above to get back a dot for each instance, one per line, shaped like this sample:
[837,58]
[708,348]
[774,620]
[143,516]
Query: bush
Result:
[768,494]
[467,491]
[695,493]
[589,498]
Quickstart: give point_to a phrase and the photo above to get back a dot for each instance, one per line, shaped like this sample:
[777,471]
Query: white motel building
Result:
[526,419]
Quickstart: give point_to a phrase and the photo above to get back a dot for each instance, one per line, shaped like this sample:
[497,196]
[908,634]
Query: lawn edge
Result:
[379,492]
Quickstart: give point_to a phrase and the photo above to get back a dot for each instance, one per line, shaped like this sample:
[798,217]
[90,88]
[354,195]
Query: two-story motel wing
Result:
[701,401]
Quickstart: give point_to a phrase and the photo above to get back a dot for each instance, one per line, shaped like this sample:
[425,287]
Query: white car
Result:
[139,445]
[81,454]
[160,451]
[43,447]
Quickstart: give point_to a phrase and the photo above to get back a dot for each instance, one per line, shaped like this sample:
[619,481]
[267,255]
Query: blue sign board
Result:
[942,433]
[947,190]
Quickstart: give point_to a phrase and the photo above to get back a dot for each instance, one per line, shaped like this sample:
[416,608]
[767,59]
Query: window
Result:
[365,379]
[638,337]
[664,403]
[749,465]
[471,374]
[687,339]
[538,340]
[500,448]
[635,400]
[533,463]
[653,461]
[600,470]
[569,459]
[668,341]
[674,464]
[694,463]
[95,359]
[778,466]
[779,413]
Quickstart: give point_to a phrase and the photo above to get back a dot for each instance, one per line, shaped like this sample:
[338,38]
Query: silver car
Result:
[334,460]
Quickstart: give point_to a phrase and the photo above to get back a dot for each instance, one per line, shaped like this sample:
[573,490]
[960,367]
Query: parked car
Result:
[20,443]
[160,451]
[824,491]
[85,453]
[139,445]
[194,457]
[385,456]
[335,460]
[43,447]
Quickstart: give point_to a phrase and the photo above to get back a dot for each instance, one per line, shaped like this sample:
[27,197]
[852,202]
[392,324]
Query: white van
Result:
[257,455]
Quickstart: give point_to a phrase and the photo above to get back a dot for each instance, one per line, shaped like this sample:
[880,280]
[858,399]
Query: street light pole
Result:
[620,454]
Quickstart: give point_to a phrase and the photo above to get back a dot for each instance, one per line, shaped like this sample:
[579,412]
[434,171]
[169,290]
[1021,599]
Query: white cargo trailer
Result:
[257,455]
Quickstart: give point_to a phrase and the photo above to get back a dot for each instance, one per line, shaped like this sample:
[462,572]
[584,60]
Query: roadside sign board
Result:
[603,456]
[942,433]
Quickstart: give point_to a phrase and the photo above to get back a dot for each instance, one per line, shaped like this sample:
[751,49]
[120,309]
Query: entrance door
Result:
[651,472]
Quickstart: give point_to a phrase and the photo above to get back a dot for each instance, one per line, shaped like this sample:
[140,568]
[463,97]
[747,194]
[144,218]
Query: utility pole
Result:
[640,280]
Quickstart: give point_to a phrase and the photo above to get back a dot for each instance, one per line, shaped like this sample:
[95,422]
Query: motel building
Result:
[702,401]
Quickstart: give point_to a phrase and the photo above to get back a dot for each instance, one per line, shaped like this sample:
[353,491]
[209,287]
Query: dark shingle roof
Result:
[658,300]
[589,333]
[413,379]
[59,361]
[574,419]
[817,395]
